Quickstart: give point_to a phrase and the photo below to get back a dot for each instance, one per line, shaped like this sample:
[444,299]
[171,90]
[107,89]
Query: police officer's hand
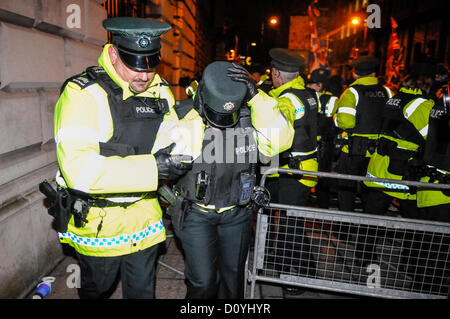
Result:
[198,99]
[240,74]
[169,166]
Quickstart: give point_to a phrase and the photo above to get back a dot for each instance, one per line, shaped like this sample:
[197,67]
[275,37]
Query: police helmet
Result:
[318,76]
[365,65]
[137,40]
[286,60]
[221,97]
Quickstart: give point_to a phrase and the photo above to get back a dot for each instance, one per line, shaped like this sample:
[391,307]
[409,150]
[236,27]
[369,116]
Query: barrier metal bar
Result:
[385,223]
[274,170]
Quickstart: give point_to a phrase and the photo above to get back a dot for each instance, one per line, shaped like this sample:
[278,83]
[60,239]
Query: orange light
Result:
[253,44]
[355,21]
[273,20]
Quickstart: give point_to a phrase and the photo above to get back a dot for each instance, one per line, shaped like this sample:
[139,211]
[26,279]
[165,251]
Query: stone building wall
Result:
[42,42]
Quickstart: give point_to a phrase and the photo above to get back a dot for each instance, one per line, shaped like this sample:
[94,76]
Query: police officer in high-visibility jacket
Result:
[435,204]
[326,131]
[214,198]
[433,270]
[403,133]
[359,110]
[114,128]
[300,105]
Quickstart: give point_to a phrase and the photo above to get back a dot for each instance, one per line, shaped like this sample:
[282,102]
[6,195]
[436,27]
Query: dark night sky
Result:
[245,18]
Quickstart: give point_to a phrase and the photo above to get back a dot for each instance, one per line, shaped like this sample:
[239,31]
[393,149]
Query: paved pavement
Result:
[169,274]
[169,278]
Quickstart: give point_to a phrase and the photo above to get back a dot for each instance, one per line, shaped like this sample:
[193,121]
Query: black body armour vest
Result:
[395,124]
[437,147]
[136,120]
[226,153]
[324,99]
[305,138]
[369,109]
[325,125]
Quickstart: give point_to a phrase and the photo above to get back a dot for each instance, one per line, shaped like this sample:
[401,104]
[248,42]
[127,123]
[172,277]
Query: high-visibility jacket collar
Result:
[105,62]
[297,83]
[367,80]
[411,91]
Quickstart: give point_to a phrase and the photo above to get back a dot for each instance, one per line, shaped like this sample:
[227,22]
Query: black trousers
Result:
[215,249]
[287,190]
[349,189]
[137,272]
[438,213]
[325,160]
[377,203]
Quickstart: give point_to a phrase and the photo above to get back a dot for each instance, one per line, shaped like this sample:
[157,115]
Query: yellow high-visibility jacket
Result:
[347,109]
[294,110]
[273,132]
[428,198]
[417,112]
[82,120]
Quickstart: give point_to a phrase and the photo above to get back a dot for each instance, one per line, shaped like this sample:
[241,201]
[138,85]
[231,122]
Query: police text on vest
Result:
[144,110]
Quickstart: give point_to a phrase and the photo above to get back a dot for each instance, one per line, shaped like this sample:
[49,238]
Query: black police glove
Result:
[198,99]
[260,197]
[171,167]
[240,74]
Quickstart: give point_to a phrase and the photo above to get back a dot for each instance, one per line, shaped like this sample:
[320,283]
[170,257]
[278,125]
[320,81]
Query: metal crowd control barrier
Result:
[346,252]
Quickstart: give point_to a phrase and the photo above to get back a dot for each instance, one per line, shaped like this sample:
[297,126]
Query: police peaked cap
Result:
[137,40]
[365,64]
[286,60]
[318,75]
[222,97]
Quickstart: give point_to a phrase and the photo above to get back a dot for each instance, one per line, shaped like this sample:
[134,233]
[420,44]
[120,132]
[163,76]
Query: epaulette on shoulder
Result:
[164,82]
[86,78]
[183,107]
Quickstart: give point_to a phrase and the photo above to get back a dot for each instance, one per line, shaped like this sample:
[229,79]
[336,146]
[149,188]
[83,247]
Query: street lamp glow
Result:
[355,21]
[273,20]
[253,44]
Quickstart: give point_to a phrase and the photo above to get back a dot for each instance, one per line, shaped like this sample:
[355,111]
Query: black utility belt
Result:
[293,161]
[386,147]
[359,145]
[65,203]
[102,203]
[436,175]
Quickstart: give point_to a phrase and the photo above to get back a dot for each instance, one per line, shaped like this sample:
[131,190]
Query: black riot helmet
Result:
[221,97]
[365,65]
[137,40]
